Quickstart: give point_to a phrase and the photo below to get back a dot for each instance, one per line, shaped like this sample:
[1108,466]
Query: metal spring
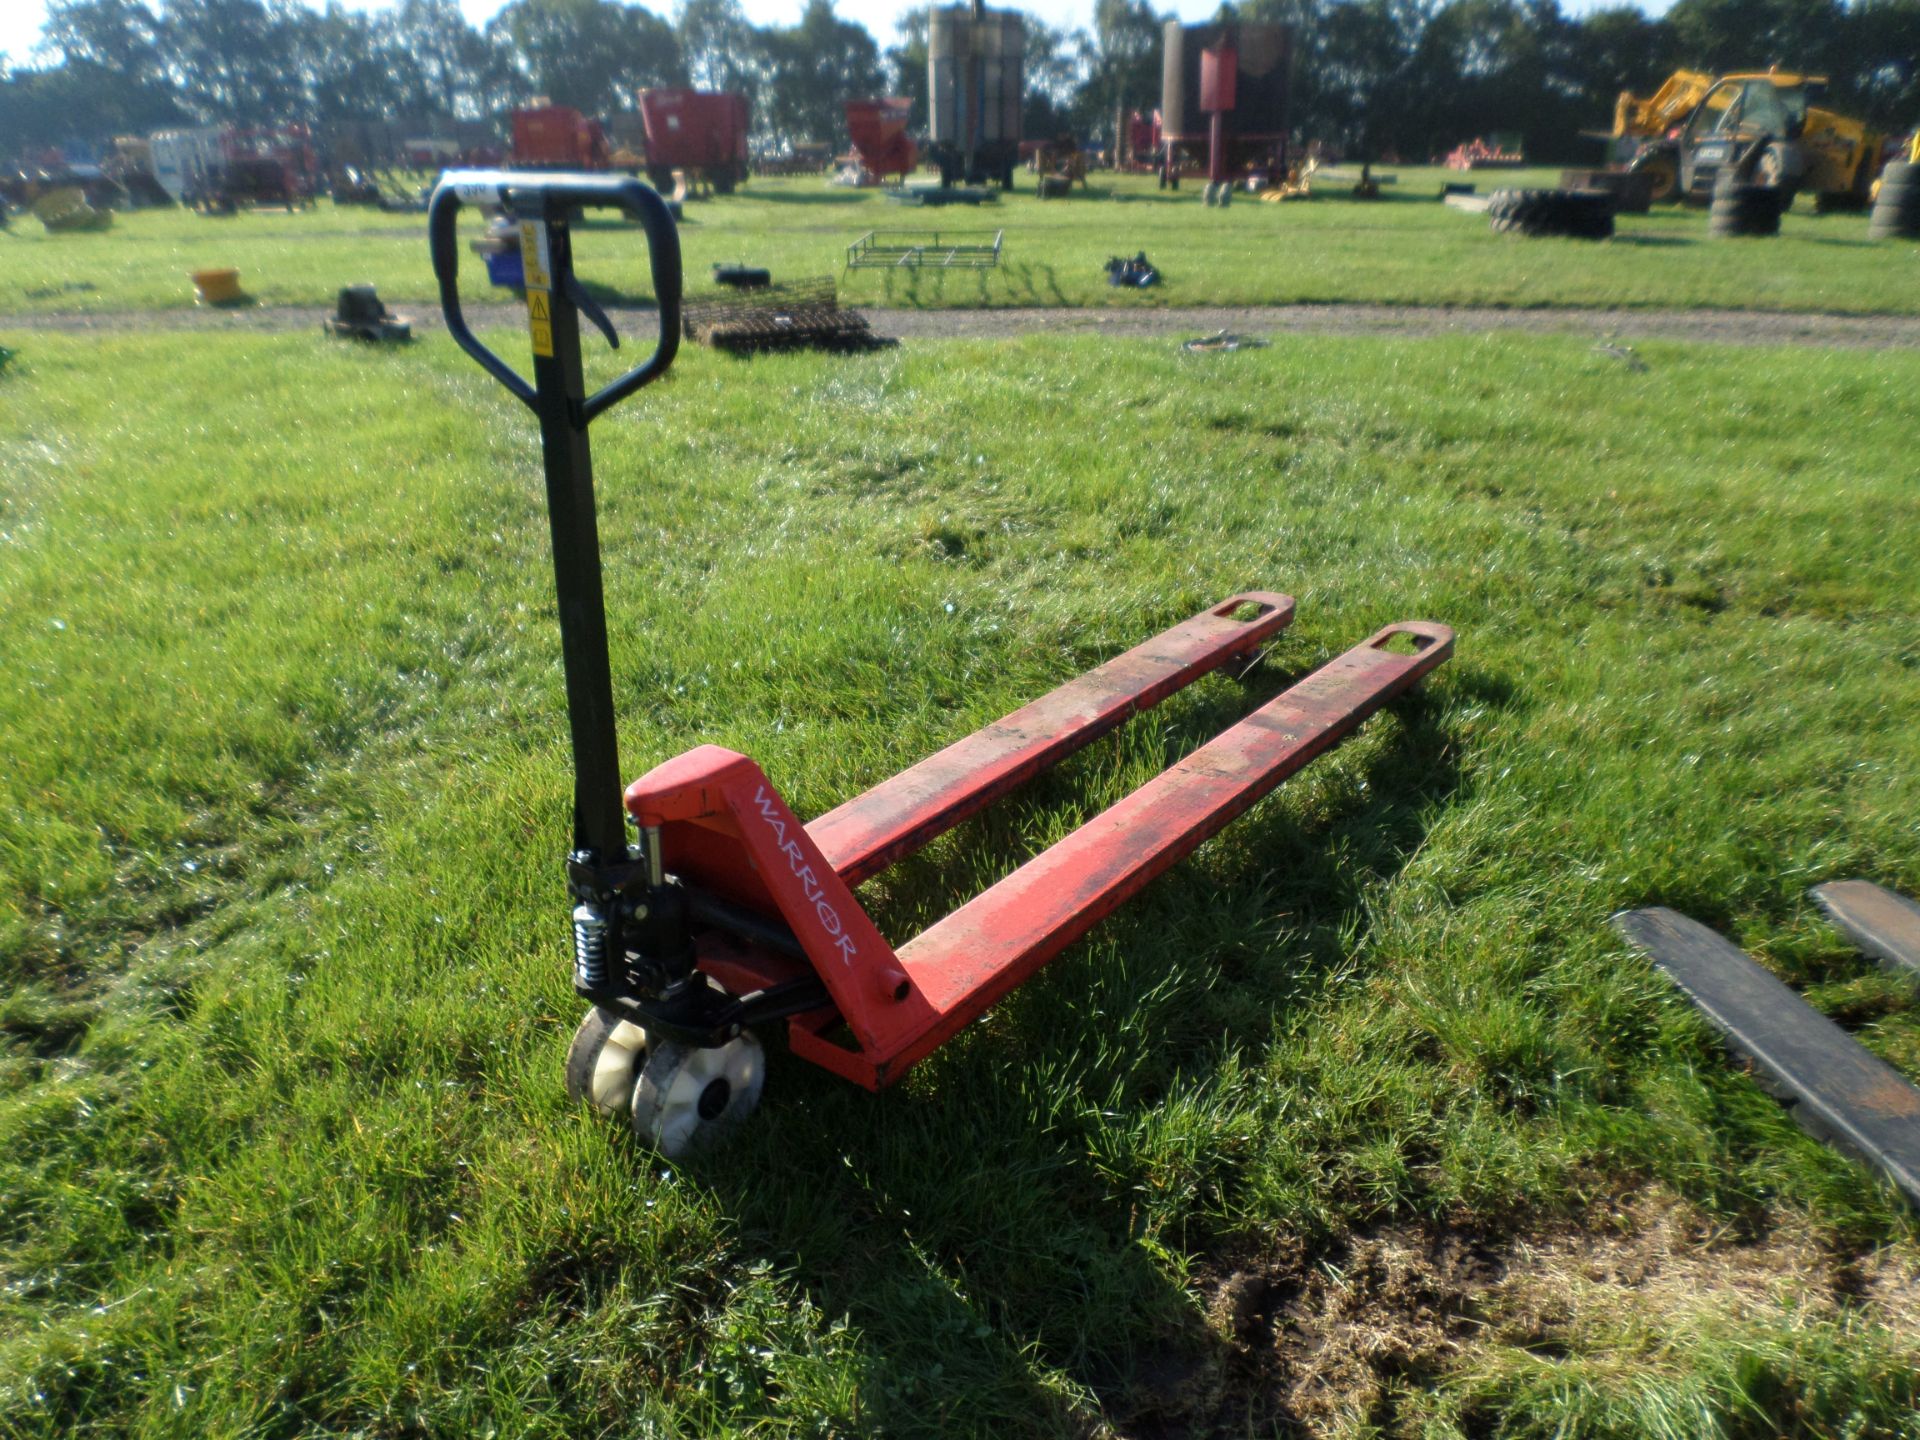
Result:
[589,946]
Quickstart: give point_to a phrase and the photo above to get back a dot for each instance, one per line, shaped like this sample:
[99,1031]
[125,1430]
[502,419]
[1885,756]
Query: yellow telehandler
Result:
[1694,123]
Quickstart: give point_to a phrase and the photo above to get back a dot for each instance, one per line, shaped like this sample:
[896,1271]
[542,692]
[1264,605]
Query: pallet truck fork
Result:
[729,912]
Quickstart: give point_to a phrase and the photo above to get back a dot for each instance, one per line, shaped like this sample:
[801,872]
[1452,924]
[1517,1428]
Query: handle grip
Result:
[536,196]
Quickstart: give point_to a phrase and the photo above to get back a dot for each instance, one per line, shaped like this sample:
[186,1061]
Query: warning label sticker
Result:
[535,259]
[540,321]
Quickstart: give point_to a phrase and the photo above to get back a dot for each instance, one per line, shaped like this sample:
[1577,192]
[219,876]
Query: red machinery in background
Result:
[1142,139]
[700,132]
[1224,99]
[258,165]
[557,137]
[881,145]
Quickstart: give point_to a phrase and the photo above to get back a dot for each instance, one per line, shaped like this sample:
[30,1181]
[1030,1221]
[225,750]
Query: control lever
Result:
[590,308]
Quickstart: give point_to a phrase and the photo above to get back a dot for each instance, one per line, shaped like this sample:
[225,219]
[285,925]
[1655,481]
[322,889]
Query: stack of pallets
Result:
[802,315]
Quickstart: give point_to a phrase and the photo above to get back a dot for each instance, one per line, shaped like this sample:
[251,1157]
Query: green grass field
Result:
[1407,249]
[1360,1123]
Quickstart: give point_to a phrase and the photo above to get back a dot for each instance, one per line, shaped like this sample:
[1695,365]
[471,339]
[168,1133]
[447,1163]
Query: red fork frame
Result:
[724,828]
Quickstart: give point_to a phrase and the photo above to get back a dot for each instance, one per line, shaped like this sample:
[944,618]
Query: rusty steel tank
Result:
[975,77]
[1224,92]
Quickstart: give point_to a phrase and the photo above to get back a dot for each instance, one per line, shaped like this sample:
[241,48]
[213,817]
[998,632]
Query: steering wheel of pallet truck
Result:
[532,196]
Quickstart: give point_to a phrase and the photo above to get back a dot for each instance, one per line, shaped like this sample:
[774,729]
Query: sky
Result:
[20,20]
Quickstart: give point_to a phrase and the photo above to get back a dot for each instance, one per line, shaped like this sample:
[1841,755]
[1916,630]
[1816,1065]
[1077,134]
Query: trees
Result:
[118,35]
[1412,76]
[1881,74]
[1367,71]
[437,62]
[233,59]
[721,48]
[114,74]
[812,70]
[1621,48]
[1753,34]
[1121,56]
[339,63]
[591,54]
[907,62]
[1055,69]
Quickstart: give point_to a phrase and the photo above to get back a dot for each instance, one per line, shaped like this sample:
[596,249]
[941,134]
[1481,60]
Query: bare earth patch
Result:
[1331,1343]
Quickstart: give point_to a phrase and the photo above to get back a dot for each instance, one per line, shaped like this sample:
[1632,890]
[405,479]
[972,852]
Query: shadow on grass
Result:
[985,1226]
[813,197]
[1032,284]
[1619,239]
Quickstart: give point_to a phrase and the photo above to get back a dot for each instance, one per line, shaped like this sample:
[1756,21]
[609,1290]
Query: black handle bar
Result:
[532,195]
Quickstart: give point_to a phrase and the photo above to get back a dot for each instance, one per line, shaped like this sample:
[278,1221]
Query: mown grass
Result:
[1406,249]
[283,1145]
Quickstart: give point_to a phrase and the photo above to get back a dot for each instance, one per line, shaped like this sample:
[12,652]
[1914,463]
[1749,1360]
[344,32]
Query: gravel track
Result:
[1726,327]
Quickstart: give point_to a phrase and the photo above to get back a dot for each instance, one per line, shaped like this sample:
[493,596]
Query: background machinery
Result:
[975,68]
[1694,124]
[557,137]
[701,133]
[1223,102]
[881,145]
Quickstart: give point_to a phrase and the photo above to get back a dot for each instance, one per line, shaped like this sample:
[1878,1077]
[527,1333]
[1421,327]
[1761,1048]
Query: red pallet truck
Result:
[722,910]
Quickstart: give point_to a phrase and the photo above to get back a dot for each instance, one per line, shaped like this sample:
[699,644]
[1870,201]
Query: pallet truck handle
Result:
[534,196]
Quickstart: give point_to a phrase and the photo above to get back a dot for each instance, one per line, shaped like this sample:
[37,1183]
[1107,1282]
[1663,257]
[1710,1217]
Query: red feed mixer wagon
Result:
[557,137]
[878,129]
[703,907]
[702,133]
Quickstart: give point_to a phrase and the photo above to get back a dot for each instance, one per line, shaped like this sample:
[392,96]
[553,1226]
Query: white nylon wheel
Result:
[603,1063]
[687,1096]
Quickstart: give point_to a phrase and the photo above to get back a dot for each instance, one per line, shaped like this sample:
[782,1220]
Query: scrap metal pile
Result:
[802,315]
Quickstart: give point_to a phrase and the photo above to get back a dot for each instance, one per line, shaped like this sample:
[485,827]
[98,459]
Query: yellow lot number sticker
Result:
[540,322]
[536,260]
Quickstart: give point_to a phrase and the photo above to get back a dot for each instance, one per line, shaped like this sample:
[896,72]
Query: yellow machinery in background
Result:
[1695,123]
[1910,153]
[66,209]
[1651,117]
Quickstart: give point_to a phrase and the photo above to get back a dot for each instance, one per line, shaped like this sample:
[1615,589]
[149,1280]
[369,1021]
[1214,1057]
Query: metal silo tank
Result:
[1256,128]
[975,84]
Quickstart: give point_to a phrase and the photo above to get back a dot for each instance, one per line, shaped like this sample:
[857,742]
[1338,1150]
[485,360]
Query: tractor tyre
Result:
[1665,170]
[1589,214]
[1899,177]
[1581,214]
[1896,209]
[1517,212]
[1769,166]
[1741,209]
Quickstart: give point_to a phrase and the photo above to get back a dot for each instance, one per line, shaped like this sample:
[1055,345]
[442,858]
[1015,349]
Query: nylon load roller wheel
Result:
[687,1096]
[603,1063]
